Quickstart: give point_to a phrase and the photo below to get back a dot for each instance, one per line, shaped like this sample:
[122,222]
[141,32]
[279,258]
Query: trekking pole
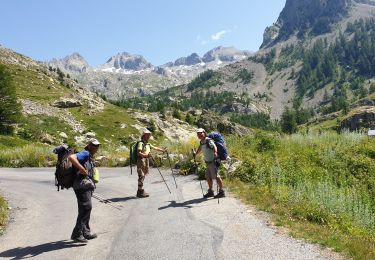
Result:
[196,170]
[160,174]
[105,201]
[131,168]
[217,190]
[171,169]
[217,185]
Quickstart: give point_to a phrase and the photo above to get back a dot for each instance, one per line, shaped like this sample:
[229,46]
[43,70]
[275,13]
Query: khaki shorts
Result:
[212,171]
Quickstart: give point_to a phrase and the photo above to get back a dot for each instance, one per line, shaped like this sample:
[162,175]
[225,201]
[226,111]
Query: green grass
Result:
[312,182]
[11,142]
[33,128]
[3,213]
[107,125]
[30,155]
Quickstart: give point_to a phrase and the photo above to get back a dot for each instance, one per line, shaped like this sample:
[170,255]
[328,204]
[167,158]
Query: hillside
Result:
[313,72]
[56,109]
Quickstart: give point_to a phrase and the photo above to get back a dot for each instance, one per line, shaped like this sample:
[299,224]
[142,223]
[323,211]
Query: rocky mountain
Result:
[314,17]
[124,61]
[219,55]
[73,64]
[126,75]
[315,60]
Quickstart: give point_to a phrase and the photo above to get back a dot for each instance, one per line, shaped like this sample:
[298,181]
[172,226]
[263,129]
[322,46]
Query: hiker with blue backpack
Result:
[84,186]
[210,149]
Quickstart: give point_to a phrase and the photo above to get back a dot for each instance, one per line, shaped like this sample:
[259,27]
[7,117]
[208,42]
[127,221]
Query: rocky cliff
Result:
[306,16]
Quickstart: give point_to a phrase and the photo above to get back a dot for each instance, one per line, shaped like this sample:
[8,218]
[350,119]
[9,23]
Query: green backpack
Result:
[133,155]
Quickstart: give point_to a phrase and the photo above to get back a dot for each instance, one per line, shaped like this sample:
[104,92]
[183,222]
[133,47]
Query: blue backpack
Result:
[222,150]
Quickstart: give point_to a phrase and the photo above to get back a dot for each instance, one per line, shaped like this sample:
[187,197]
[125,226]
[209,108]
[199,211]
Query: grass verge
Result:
[3,214]
[353,242]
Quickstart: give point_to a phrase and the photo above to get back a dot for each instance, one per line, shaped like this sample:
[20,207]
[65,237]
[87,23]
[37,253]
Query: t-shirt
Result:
[145,147]
[208,149]
[85,159]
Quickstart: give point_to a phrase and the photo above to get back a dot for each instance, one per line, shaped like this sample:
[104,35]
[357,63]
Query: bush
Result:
[266,142]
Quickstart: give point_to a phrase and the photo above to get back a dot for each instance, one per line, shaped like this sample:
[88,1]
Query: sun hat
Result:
[92,141]
[146,131]
[201,130]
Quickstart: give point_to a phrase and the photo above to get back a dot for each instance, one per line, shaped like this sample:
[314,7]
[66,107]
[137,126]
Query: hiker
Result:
[209,149]
[83,188]
[143,152]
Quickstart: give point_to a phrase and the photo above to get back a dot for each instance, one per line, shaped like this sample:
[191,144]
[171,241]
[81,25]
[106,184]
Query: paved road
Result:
[173,226]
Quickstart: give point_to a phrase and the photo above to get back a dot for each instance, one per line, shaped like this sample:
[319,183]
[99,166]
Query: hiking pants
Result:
[142,170]
[84,211]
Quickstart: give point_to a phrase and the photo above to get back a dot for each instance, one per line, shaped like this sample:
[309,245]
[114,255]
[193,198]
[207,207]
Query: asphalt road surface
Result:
[180,225]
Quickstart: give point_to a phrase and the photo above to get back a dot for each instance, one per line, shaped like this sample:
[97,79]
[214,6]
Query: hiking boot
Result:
[91,236]
[209,193]
[79,239]
[142,194]
[221,194]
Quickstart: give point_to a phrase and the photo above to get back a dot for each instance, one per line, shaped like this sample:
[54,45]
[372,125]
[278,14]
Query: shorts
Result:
[212,171]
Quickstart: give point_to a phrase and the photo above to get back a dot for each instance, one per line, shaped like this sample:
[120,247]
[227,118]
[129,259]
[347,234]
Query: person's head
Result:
[92,146]
[146,134]
[201,133]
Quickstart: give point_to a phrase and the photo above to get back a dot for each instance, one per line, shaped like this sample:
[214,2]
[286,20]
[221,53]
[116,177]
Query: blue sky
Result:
[160,30]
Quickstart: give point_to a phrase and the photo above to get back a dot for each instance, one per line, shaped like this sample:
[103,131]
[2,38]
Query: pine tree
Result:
[10,110]
[288,121]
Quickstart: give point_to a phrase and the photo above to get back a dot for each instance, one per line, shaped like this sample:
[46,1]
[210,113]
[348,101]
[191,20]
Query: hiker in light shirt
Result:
[208,148]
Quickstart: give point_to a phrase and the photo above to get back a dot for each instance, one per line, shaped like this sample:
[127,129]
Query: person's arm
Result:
[159,149]
[212,143]
[73,158]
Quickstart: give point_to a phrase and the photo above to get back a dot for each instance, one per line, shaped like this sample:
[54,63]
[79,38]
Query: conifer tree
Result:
[9,108]
[288,121]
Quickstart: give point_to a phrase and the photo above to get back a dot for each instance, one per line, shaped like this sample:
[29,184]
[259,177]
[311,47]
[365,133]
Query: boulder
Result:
[90,135]
[359,118]
[63,135]
[47,139]
[67,103]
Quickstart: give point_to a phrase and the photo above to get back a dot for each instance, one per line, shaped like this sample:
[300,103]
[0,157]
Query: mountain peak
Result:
[73,63]
[224,54]
[306,16]
[127,61]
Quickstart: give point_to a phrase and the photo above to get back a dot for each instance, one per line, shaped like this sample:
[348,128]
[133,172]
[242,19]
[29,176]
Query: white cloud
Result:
[219,35]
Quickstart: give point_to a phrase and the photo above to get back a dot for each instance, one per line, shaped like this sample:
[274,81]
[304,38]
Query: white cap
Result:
[146,131]
[201,130]
[93,141]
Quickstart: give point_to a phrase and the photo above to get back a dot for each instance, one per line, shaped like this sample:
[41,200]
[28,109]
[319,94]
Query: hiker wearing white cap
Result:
[143,152]
[209,149]
[83,188]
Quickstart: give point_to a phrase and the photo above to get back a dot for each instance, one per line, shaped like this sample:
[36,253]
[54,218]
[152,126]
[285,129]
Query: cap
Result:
[93,141]
[201,130]
[146,131]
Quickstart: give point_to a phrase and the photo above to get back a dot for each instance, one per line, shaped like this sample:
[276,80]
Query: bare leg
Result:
[219,182]
[209,182]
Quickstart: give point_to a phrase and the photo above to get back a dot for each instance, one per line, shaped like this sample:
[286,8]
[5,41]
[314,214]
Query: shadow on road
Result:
[122,199]
[185,204]
[32,251]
